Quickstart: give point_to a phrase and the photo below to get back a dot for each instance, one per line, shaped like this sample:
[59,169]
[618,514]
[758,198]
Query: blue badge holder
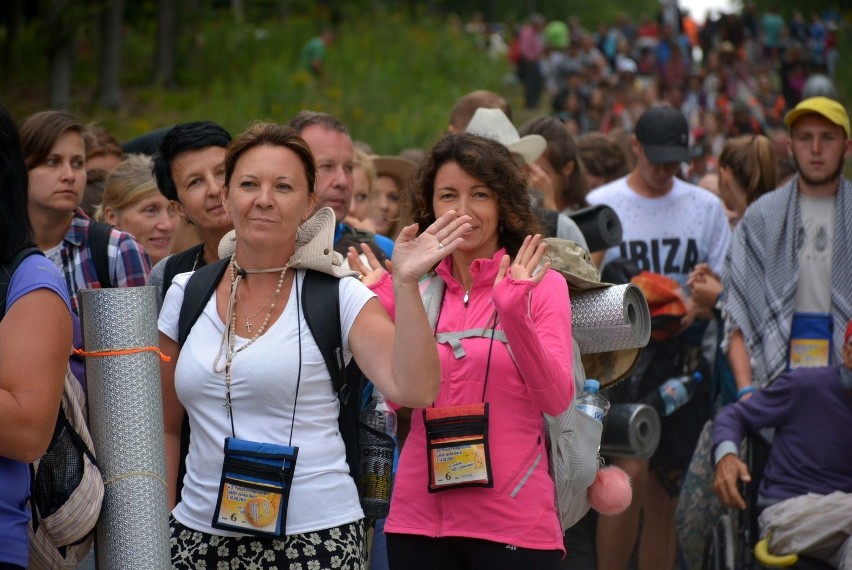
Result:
[811,341]
[254,490]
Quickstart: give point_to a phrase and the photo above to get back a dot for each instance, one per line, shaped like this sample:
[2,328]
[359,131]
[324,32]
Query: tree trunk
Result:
[15,20]
[111,23]
[239,11]
[60,53]
[283,10]
[166,54]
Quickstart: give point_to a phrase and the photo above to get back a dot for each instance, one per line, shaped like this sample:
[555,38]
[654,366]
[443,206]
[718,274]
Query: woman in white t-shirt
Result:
[250,373]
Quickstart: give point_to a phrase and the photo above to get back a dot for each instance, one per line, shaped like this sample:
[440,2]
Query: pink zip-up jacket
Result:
[520,509]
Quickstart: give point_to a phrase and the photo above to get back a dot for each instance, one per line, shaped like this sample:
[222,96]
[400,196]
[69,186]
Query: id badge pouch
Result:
[810,341]
[457,447]
[255,488]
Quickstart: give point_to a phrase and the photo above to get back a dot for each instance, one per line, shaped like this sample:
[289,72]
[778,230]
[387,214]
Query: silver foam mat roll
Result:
[632,430]
[610,318]
[126,420]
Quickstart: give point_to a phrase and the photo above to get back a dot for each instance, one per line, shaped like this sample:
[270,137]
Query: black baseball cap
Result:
[664,135]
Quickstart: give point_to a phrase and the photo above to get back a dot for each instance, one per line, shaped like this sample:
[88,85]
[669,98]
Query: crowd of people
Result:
[725,172]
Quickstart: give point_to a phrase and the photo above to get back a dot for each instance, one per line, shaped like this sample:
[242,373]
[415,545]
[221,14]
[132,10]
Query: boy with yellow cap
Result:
[789,280]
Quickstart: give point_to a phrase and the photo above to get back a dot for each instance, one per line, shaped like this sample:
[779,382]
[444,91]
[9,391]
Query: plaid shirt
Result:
[128,263]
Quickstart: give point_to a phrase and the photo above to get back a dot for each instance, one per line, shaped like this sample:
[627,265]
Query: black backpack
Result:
[8,270]
[321,306]
[98,238]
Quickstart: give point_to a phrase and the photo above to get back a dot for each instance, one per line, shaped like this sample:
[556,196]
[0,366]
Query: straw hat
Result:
[399,168]
[575,264]
[494,124]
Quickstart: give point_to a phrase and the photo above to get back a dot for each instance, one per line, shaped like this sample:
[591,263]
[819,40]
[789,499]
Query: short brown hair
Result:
[466,106]
[271,134]
[39,132]
[602,156]
[99,142]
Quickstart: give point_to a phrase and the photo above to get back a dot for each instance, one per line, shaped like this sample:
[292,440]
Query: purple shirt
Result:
[34,272]
[812,414]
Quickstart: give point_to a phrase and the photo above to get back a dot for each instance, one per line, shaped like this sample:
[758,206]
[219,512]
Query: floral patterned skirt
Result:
[343,547]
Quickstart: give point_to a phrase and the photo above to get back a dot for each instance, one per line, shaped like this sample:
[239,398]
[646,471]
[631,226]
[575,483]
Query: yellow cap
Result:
[828,108]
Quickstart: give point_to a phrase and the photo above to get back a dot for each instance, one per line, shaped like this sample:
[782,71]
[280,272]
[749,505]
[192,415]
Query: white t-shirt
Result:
[813,294]
[669,234]
[263,391]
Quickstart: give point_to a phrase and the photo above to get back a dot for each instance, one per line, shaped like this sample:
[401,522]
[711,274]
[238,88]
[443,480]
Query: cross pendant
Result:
[248,326]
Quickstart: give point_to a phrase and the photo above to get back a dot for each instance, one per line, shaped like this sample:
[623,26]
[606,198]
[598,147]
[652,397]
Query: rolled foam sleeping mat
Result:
[610,318]
[126,423]
[600,226]
[631,430]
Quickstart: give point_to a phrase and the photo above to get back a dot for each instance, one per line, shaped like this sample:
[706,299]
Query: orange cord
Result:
[123,352]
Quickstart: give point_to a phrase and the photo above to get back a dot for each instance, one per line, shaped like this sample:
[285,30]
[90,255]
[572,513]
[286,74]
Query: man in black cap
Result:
[669,226]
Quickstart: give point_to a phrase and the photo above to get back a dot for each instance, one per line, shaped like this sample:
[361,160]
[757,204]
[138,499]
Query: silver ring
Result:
[440,245]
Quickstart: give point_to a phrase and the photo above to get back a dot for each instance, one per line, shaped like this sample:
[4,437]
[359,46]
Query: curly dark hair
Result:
[489,162]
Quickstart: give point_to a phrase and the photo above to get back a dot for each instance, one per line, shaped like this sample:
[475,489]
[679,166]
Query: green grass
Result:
[391,77]
[393,84]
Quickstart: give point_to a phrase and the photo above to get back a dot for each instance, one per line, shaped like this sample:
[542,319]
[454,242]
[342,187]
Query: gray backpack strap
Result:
[432,290]
[432,293]
[454,339]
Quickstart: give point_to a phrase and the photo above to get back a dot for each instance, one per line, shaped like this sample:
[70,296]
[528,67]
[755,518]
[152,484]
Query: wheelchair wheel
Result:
[721,546]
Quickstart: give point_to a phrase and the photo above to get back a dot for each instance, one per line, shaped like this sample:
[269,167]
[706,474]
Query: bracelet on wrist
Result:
[744,391]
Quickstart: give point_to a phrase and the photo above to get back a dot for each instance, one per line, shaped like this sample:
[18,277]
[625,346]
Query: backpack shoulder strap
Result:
[198,291]
[8,270]
[321,307]
[181,263]
[98,244]
[432,290]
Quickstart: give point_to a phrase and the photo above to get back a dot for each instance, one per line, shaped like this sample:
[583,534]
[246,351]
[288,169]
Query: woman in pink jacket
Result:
[473,488]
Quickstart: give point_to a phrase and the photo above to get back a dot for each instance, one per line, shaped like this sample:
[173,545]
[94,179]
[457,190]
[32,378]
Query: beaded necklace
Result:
[228,343]
[250,317]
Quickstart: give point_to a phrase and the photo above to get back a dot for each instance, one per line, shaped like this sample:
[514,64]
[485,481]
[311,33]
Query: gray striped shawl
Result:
[762,272]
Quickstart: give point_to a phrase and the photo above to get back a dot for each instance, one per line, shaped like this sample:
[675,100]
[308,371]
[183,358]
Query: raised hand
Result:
[414,255]
[528,258]
[370,272]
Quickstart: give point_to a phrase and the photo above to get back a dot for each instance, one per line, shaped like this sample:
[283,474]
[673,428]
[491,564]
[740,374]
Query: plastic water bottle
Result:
[592,403]
[376,448]
[674,393]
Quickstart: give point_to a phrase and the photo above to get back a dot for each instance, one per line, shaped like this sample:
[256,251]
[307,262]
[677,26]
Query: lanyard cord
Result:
[490,347]
[298,372]
[493,319]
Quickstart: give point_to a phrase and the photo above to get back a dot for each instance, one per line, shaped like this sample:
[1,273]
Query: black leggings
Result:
[415,552]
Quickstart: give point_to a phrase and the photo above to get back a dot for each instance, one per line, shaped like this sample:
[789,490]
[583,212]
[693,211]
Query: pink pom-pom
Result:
[611,492]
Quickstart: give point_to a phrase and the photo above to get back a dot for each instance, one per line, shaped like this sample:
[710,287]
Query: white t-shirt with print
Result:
[813,294]
[263,391]
[669,234]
